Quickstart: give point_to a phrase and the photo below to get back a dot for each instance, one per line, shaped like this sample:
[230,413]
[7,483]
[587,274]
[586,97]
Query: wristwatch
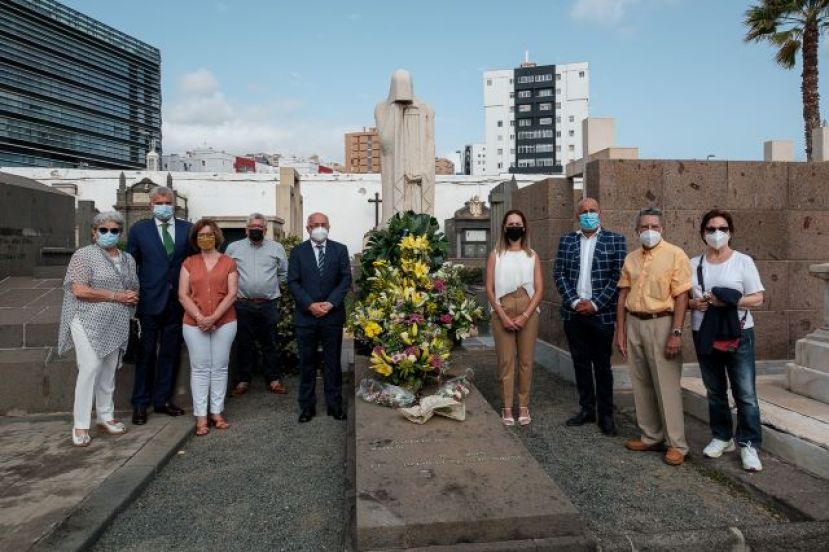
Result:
[676,332]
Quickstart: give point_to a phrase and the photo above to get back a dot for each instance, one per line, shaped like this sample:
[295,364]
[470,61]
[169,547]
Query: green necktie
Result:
[169,246]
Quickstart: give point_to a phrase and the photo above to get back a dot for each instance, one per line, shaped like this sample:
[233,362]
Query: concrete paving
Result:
[47,481]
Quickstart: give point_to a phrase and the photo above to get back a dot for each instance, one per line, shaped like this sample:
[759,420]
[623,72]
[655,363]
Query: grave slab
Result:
[447,483]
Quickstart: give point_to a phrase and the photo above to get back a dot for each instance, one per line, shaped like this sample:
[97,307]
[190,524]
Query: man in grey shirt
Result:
[262,265]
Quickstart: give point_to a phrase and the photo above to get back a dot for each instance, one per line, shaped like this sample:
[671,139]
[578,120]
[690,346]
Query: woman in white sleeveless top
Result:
[514,287]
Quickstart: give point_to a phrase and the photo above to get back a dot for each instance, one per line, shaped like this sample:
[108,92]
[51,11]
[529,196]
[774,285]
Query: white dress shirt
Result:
[316,247]
[171,228]
[584,287]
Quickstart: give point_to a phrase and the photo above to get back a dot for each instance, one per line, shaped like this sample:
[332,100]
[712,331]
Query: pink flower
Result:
[412,350]
[439,285]
[446,319]
[436,362]
[378,350]
[416,319]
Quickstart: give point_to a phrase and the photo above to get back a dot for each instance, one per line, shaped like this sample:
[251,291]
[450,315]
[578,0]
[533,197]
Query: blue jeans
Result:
[718,370]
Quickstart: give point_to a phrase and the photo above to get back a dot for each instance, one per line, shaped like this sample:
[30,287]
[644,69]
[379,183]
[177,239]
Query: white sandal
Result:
[506,417]
[81,440]
[524,416]
[113,427]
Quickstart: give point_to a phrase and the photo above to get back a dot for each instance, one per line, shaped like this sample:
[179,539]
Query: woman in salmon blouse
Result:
[207,291]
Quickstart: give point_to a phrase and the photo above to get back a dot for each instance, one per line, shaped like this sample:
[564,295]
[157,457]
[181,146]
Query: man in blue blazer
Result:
[159,246]
[587,270]
[319,276]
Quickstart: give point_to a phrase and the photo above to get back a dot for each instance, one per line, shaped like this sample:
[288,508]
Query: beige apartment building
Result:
[362,151]
[444,166]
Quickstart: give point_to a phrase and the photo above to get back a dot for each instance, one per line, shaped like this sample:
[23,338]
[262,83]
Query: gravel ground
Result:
[618,491]
[267,483]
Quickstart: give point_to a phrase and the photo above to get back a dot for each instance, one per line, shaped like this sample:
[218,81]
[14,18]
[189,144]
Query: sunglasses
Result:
[114,231]
[712,229]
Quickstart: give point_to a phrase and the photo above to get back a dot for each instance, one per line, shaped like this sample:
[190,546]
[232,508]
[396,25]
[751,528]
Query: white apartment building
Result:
[533,117]
[473,160]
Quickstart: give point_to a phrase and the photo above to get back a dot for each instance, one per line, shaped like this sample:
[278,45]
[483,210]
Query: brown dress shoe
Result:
[637,445]
[277,387]
[673,457]
[240,389]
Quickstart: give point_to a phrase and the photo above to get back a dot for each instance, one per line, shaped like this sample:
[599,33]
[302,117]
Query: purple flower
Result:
[397,358]
[412,350]
[378,350]
[416,319]
[436,362]
[446,319]
[439,285]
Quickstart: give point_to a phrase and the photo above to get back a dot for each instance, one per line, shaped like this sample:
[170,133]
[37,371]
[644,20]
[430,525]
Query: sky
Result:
[292,77]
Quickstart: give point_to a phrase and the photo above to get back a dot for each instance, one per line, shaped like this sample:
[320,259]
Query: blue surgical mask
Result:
[106,240]
[163,212]
[589,221]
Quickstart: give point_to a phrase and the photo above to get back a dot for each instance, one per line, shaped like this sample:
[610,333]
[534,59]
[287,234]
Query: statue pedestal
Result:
[809,374]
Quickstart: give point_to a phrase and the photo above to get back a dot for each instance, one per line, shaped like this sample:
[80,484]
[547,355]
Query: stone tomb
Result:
[450,483]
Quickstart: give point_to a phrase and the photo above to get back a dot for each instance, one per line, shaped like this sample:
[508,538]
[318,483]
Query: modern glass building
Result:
[73,91]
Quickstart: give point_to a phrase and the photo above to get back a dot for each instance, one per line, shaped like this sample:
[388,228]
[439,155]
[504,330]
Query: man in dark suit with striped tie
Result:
[319,276]
[587,270]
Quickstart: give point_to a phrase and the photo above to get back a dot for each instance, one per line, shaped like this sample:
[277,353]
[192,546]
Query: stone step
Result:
[795,428]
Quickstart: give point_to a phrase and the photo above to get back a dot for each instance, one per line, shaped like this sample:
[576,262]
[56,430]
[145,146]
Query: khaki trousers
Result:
[656,389]
[507,343]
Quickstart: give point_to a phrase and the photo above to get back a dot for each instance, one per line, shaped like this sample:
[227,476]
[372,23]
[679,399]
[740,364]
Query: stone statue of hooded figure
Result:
[406,127]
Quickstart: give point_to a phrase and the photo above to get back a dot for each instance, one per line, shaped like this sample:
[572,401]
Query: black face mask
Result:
[514,234]
[256,235]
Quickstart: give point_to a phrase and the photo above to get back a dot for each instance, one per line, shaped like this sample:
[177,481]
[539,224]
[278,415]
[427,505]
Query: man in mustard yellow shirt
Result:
[653,299]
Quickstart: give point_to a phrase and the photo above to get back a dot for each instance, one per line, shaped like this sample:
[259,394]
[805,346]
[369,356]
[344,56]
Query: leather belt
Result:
[256,301]
[650,315]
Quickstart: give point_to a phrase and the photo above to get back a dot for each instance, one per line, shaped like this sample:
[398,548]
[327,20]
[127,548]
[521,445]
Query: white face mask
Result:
[717,240]
[650,238]
[319,234]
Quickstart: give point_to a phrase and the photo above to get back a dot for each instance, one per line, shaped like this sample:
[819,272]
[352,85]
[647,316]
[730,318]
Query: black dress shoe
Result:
[337,413]
[170,409]
[608,426]
[581,418]
[307,414]
[139,416]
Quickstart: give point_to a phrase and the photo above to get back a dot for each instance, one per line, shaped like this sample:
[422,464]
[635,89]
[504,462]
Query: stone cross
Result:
[822,271]
[406,126]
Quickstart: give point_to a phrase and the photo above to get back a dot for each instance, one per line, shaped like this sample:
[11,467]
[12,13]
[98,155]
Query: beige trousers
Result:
[656,389]
[507,343]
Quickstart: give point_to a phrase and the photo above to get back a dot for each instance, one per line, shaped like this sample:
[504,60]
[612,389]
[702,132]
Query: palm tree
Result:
[794,26]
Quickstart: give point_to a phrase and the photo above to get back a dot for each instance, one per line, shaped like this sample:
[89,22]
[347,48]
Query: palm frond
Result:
[787,54]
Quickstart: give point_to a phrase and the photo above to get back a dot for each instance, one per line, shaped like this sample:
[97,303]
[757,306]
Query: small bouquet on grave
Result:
[447,401]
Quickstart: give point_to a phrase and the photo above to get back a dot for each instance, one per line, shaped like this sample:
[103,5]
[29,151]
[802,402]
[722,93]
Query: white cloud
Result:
[606,12]
[198,83]
[204,115]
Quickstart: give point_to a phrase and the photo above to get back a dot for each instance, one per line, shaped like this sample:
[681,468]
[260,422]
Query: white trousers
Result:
[209,356]
[96,379]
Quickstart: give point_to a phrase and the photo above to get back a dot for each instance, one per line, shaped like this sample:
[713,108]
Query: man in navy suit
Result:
[319,276]
[159,246]
[587,269]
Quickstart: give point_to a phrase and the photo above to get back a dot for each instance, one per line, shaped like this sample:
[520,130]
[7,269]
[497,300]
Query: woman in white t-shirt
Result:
[514,287]
[723,267]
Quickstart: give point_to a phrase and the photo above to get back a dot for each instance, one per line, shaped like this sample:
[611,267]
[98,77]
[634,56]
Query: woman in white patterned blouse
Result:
[100,293]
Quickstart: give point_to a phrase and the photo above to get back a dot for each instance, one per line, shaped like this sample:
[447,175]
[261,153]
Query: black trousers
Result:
[309,338]
[256,322]
[159,354]
[591,345]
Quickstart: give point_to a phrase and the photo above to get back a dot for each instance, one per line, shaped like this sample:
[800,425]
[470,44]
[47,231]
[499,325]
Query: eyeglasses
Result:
[712,229]
[114,231]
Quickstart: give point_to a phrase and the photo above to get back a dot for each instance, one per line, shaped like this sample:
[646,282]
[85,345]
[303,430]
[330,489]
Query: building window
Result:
[544,78]
[546,106]
[500,151]
[512,122]
[525,93]
[526,162]
[512,151]
[545,121]
[558,91]
[500,138]
[525,108]
[500,165]
[489,82]
[581,74]
[500,123]
[558,105]
[571,147]
[571,118]
[510,81]
[544,162]
[511,137]
[558,120]
[530,148]
[512,109]
[524,79]
[558,134]
[558,76]
[544,148]
[558,149]
[571,133]
[546,133]
[544,92]
[512,94]
[525,122]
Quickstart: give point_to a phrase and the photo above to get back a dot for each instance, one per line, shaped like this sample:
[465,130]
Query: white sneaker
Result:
[750,458]
[717,447]
[113,427]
